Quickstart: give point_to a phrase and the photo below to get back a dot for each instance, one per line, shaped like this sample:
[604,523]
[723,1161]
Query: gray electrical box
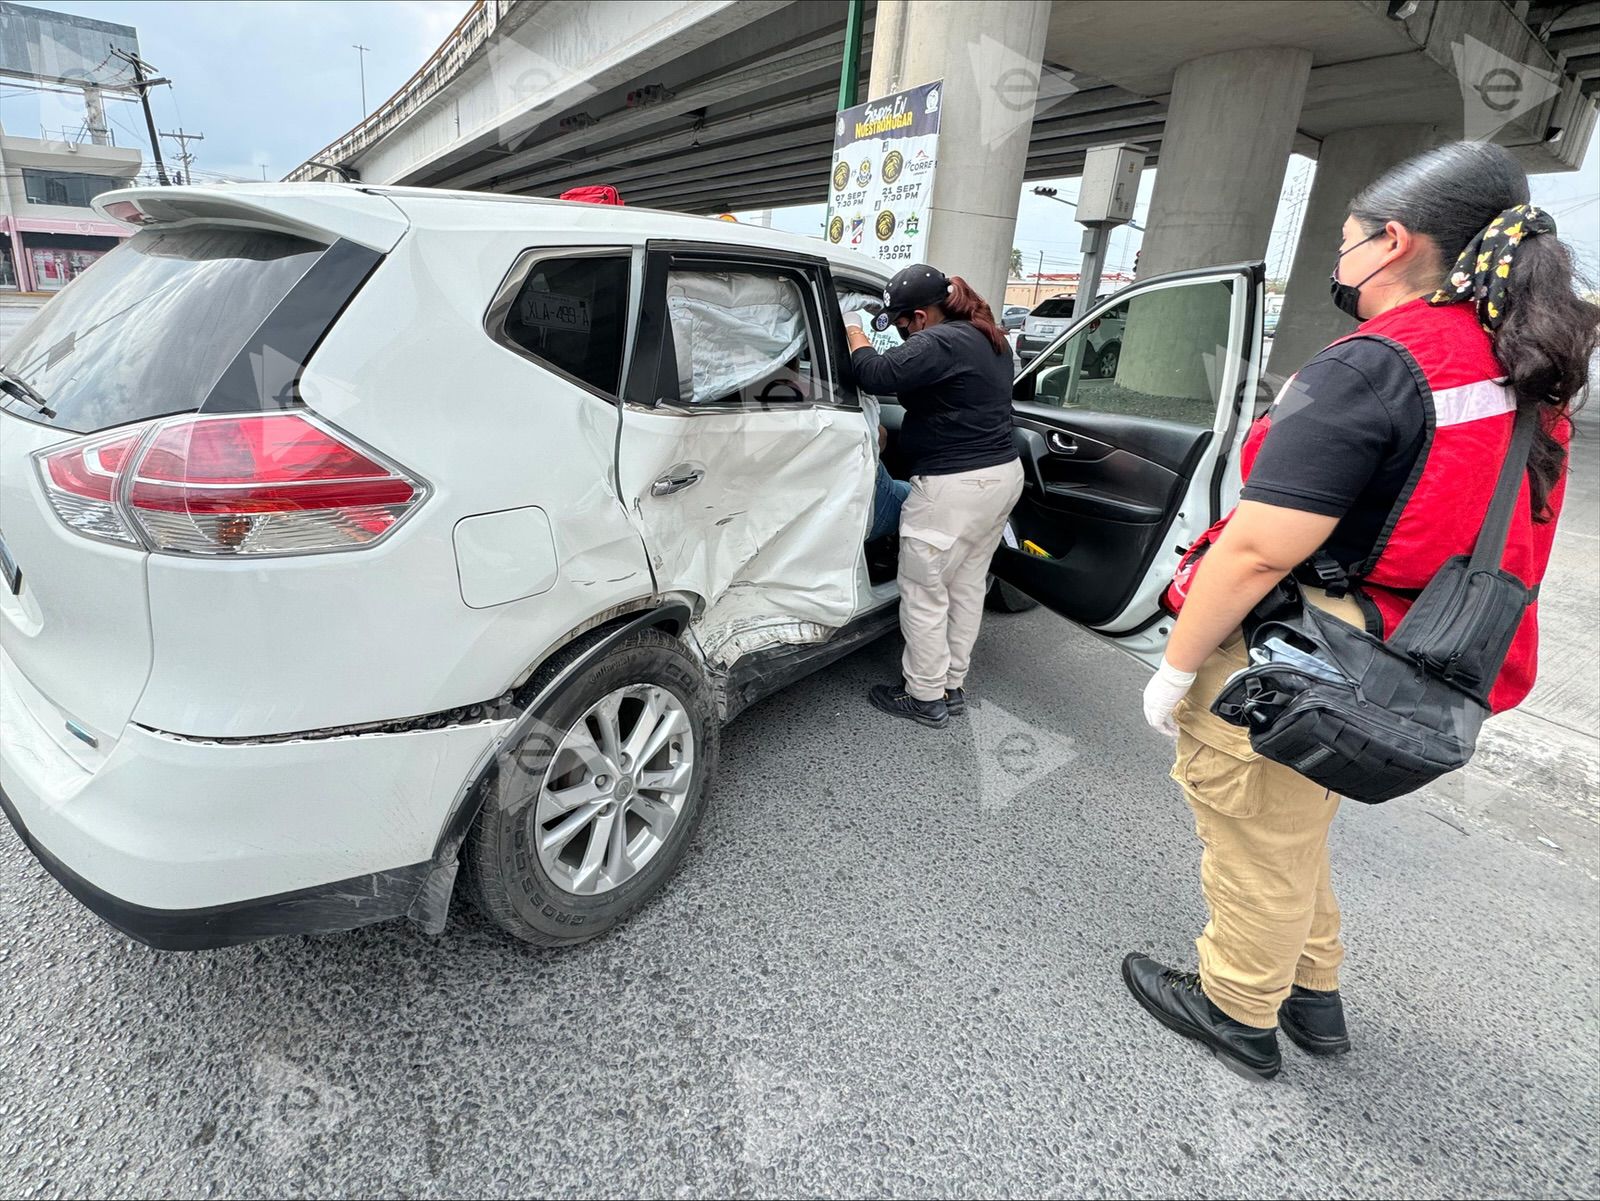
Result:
[1110,184]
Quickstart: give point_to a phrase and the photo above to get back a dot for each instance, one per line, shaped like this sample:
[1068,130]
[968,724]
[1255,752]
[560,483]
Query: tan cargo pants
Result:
[1274,921]
[949,528]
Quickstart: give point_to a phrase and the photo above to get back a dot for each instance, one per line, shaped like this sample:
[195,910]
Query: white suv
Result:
[350,535]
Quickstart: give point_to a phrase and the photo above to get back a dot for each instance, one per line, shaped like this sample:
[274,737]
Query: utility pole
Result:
[850,68]
[142,84]
[361,57]
[1038,278]
[185,155]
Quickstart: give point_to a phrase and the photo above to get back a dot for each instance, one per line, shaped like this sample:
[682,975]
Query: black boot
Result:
[955,700]
[1176,1000]
[1314,1021]
[893,698]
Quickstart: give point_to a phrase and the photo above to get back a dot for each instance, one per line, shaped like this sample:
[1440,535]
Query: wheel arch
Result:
[565,662]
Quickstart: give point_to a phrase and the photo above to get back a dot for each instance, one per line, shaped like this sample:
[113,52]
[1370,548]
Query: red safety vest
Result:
[1470,411]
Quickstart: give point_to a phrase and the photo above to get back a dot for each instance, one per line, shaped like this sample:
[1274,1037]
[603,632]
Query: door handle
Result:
[1061,444]
[677,479]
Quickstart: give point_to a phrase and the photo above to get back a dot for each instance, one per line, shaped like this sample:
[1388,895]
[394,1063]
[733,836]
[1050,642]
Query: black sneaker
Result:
[1176,1000]
[955,700]
[893,698]
[1314,1021]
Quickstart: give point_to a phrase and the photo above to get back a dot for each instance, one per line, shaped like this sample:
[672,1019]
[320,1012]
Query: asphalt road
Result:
[888,966]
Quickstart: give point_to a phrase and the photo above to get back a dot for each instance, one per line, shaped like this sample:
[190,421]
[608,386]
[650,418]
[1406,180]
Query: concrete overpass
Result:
[709,105]
[533,96]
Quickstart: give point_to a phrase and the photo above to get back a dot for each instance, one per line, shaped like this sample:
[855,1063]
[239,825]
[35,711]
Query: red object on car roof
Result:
[593,194]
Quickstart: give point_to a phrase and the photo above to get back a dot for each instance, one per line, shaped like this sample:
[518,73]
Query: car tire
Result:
[1110,357]
[1003,598]
[544,897]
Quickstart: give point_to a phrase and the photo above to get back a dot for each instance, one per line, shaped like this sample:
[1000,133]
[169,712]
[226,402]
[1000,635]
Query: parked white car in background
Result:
[351,536]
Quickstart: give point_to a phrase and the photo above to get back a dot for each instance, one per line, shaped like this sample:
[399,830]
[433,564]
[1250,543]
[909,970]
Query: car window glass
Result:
[571,313]
[1158,354]
[150,327]
[1056,306]
[740,337]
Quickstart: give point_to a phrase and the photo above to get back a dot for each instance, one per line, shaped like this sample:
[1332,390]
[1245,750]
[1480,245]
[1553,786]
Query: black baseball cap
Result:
[913,287]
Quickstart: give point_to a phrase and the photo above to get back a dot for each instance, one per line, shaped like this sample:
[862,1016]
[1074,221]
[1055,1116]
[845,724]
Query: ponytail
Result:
[1471,200]
[1545,343]
[963,304]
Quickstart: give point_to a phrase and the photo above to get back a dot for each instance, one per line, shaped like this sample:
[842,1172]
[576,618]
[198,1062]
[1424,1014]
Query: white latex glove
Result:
[1161,696]
[853,321]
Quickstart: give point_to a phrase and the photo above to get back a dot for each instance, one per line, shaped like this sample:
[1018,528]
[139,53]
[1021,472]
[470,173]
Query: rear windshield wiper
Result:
[13,384]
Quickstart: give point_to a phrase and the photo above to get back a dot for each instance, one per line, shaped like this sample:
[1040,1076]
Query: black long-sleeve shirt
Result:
[956,392]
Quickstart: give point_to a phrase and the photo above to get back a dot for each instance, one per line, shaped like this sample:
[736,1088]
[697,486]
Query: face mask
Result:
[1347,297]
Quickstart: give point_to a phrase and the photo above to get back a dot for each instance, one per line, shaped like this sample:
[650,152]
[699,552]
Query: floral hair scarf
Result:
[1483,270]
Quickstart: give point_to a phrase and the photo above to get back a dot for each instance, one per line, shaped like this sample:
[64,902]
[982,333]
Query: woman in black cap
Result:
[953,377]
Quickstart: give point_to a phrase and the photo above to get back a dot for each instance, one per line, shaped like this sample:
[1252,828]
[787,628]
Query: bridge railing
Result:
[443,65]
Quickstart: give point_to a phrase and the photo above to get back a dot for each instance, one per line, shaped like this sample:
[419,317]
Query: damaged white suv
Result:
[350,535]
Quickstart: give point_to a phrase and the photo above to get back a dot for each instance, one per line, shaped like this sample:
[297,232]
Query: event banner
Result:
[884,153]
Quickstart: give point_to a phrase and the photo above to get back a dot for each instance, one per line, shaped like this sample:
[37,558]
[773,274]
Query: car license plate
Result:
[1047,331]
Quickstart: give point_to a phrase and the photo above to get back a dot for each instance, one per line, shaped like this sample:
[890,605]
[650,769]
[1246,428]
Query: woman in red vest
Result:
[1375,464]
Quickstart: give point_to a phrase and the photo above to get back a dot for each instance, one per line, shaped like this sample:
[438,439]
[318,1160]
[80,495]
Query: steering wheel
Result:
[799,392]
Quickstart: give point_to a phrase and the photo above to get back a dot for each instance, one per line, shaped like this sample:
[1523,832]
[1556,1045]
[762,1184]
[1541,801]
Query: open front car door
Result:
[1129,427]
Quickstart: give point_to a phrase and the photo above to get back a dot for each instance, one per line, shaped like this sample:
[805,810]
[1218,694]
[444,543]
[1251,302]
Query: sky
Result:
[271,82]
[267,83]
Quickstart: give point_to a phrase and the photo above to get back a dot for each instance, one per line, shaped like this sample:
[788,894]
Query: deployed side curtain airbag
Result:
[731,330]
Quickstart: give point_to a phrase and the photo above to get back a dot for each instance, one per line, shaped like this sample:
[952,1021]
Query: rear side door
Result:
[1129,427]
[744,458]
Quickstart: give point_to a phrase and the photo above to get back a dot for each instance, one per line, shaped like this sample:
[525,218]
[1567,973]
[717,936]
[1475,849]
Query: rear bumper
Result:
[345,905]
[186,843]
[1030,348]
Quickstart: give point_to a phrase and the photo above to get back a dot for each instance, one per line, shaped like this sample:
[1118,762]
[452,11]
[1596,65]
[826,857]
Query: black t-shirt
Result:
[956,392]
[1345,437]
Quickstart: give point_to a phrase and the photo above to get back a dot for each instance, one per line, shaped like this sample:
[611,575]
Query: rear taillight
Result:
[261,484]
[83,483]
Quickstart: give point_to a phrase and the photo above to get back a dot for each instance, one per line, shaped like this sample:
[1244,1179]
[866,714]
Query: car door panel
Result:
[754,506]
[1123,467]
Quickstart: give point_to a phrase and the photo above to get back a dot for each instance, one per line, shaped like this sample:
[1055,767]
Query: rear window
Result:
[149,328]
[1056,306]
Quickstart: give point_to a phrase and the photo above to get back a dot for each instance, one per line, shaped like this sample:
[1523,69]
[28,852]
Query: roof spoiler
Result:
[319,212]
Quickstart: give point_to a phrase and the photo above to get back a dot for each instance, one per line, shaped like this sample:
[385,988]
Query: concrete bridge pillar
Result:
[989,57]
[1230,127]
[1348,161]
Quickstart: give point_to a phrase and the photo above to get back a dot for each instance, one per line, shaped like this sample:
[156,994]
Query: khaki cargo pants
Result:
[949,528]
[1264,867]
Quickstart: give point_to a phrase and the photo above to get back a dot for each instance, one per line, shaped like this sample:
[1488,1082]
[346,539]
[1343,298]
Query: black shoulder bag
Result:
[1373,720]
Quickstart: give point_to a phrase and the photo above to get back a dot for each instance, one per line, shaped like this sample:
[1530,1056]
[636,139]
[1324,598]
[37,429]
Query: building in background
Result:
[49,174]
[1031,288]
